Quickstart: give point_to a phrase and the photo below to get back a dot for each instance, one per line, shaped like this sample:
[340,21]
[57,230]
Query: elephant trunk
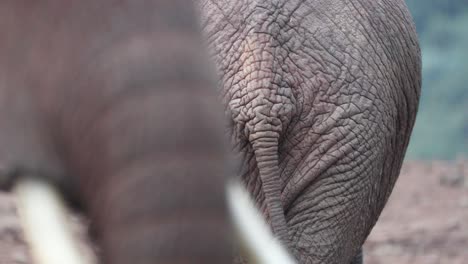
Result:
[151,159]
[152,172]
[177,218]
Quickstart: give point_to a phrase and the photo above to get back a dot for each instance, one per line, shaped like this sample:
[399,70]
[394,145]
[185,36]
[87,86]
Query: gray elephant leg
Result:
[359,259]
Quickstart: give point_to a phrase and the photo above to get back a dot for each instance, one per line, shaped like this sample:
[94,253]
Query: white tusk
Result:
[44,219]
[254,234]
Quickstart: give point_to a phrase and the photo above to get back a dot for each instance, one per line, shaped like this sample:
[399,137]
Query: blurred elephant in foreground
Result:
[322,97]
[114,102]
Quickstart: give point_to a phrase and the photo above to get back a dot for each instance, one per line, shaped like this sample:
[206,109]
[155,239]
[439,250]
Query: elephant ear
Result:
[43,216]
[253,233]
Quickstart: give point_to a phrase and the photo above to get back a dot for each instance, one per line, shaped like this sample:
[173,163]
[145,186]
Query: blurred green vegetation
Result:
[441,130]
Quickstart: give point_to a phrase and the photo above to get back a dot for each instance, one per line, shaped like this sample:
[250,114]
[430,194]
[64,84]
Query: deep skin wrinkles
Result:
[339,82]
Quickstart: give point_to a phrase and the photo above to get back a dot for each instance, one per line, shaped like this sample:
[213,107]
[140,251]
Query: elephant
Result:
[321,98]
[115,103]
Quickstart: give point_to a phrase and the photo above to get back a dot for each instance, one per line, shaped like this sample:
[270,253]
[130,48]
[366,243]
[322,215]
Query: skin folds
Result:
[322,98]
[113,101]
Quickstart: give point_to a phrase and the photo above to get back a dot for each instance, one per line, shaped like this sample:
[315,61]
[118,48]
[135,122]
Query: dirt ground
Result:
[426,218]
[425,221]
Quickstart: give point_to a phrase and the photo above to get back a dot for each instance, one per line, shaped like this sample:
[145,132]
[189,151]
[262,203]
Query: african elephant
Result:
[322,98]
[115,102]
[112,101]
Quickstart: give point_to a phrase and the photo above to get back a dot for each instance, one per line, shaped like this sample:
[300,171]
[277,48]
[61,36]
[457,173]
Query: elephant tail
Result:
[265,146]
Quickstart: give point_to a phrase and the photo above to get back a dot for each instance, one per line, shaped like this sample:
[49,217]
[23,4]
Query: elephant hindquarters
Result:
[262,105]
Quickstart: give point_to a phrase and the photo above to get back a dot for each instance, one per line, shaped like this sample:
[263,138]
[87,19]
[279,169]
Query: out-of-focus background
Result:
[441,130]
[426,218]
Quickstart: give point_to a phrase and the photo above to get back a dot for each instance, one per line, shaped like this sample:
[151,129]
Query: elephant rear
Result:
[322,97]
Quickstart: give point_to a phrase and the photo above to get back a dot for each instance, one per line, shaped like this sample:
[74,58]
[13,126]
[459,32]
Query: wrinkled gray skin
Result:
[111,101]
[322,97]
[114,102]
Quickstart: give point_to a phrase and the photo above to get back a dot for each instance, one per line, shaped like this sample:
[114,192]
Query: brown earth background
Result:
[424,222]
